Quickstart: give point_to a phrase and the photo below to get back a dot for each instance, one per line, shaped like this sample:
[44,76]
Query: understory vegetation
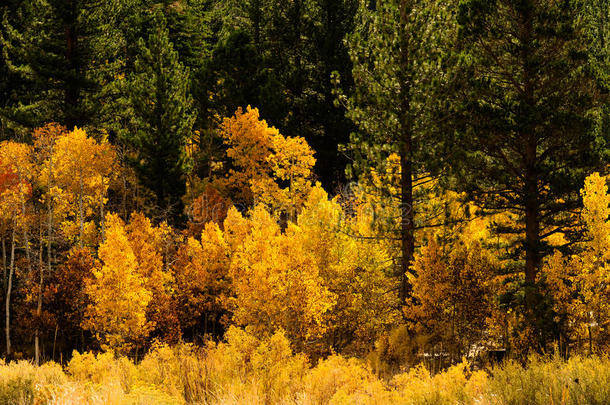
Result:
[245,370]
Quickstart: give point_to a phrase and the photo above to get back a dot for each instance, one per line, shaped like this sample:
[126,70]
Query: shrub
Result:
[338,380]
[457,385]
[24,383]
[580,380]
[103,369]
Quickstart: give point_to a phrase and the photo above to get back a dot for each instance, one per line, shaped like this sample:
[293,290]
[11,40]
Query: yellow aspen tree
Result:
[596,216]
[594,275]
[18,160]
[563,277]
[579,283]
[117,291]
[202,279]
[236,228]
[248,140]
[356,270]
[451,295]
[83,168]
[263,160]
[291,162]
[44,146]
[15,196]
[148,244]
[276,283]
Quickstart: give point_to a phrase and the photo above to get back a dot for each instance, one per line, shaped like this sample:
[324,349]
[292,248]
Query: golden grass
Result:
[246,370]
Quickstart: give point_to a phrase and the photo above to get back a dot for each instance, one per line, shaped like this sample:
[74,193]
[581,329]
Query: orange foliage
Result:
[210,206]
[118,294]
[201,272]
[264,162]
[148,244]
[66,290]
[451,294]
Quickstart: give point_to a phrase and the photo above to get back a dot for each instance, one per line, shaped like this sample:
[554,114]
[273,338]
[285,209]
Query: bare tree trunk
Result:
[8,293]
[49,237]
[102,219]
[3,264]
[124,199]
[39,304]
[590,339]
[80,210]
[54,341]
[26,239]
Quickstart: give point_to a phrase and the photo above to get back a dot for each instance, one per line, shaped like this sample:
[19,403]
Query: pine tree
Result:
[397,51]
[13,79]
[526,135]
[48,46]
[335,20]
[595,16]
[304,44]
[162,118]
[60,59]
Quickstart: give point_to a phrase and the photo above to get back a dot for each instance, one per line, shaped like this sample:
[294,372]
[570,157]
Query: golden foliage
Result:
[263,160]
[596,217]
[276,281]
[580,284]
[452,295]
[16,175]
[356,270]
[149,245]
[244,369]
[79,170]
[118,293]
[201,271]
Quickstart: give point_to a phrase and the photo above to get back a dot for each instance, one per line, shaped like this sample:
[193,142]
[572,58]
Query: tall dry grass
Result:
[247,370]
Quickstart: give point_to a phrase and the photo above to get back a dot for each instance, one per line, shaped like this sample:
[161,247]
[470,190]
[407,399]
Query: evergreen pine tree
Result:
[53,52]
[162,119]
[595,22]
[397,51]
[526,133]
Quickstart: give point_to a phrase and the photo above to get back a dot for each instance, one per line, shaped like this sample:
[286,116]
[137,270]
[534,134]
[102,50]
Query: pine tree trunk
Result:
[531,197]
[255,16]
[54,341]
[407,212]
[532,234]
[532,222]
[124,199]
[72,87]
[407,218]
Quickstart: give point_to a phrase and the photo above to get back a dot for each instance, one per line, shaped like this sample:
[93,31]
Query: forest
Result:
[305,201]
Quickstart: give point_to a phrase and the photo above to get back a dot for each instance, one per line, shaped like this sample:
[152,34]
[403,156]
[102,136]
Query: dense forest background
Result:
[396,179]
